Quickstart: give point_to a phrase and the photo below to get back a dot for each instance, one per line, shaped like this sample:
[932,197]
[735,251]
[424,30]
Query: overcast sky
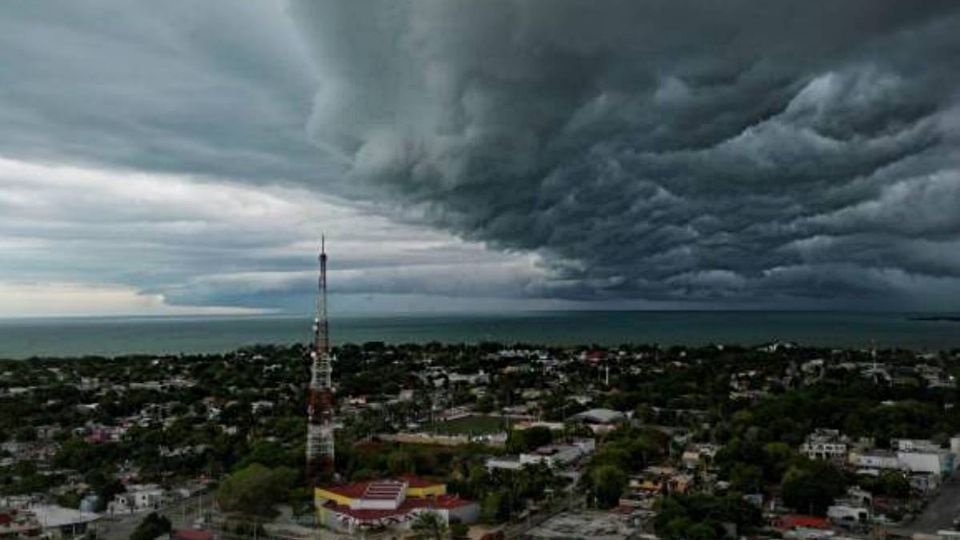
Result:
[183,157]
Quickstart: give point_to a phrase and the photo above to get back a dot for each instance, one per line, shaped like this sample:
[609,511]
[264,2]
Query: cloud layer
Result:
[535,153]
[735,152]
[79,240]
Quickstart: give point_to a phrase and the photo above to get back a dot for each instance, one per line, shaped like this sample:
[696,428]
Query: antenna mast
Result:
[320,414]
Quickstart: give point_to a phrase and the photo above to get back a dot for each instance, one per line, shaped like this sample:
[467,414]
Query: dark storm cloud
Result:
[737,150]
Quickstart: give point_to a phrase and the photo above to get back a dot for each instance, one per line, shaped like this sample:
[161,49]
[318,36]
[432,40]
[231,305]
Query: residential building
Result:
[560,455]
[137,498]
[825,444]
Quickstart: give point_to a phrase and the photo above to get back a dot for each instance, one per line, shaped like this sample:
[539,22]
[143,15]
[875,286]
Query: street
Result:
[182,514]
[940,513]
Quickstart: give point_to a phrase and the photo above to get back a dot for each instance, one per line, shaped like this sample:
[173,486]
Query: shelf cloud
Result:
[685,150]
[624,153]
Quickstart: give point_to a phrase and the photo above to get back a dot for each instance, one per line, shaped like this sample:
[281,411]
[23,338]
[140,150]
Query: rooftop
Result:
[584,526]
[411,503]
[379,489]
[601,416]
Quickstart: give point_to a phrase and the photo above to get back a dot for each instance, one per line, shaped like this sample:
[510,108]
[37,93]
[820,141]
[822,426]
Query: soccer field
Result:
[473,425]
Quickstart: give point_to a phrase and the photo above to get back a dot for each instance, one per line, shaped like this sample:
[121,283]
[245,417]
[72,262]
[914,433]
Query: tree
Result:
[269,454]
[459,531]
[492,509]
[151,527]
[812,487]
[399,462]
[430,525]
[895,484]
[537,436]
[689,517]
[525,440]
[255,489]
[608,483]
[746,478]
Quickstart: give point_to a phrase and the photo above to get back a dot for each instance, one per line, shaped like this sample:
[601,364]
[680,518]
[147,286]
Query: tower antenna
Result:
[320,413]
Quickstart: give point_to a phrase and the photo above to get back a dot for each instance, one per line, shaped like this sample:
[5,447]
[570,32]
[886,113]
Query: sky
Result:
[183,158]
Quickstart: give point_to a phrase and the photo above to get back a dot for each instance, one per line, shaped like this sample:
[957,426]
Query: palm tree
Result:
[430,525]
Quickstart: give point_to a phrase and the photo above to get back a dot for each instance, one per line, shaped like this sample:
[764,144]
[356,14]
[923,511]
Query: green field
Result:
[473,425]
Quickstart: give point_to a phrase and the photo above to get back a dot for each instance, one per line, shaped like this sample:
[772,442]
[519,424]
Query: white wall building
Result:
[137,498]
[825,444]
[875,459]
[939,462]
[560,455]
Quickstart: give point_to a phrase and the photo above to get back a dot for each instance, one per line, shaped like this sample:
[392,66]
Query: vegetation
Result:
[430,526]
[239,418]
[255,489]
[152,526]
[478,424]
[705,517]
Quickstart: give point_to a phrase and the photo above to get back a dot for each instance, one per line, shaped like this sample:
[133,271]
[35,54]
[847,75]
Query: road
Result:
[181,514]
[940,513]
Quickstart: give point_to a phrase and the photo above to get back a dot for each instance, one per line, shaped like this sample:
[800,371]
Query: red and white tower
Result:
[320,414]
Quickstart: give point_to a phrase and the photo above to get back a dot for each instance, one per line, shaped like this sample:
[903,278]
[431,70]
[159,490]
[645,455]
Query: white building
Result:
[915,445]
[559,455]
[825,444]
[847,514]
[938,462]
[875,460]
[510,463]
[137,498]
[60,522]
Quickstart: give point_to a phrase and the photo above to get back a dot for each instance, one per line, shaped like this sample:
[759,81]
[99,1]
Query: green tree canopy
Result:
[608,483]
[812,486]
[255,489]
[429,526]
[151,527]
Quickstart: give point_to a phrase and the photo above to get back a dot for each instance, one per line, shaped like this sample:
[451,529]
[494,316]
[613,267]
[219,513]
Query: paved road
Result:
[940,513]
[181,514]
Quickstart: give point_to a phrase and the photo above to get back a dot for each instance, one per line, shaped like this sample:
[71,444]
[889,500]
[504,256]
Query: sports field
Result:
[478,424]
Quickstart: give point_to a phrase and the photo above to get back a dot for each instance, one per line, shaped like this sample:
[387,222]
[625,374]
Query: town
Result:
[486,441]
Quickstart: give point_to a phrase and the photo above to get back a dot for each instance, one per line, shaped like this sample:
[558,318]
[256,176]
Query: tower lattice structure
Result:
[320,408]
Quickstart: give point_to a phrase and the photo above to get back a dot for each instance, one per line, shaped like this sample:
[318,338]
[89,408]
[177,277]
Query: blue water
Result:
[21,338]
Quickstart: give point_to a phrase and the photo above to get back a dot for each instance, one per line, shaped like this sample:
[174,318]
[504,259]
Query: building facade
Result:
[388,504]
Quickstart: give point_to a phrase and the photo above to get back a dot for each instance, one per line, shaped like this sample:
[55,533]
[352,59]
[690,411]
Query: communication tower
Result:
[320,413]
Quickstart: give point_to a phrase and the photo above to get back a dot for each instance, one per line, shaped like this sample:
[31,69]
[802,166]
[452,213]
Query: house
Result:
[657,480]
[60,522]
[600,420]
[915,445]
[261,406]
[937,462]
[389,503]
[527,424]
[560,455]
[137,498]
[18,524]
[510,463]
[825,444]
[874,461]
[192,534]
[848,513]
[698,454]
[790,522]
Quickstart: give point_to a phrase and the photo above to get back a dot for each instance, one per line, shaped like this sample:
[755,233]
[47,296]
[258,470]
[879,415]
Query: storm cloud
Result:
[725,152]
[170,157]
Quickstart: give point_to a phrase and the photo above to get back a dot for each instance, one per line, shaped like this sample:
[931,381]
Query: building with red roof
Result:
[798,521]
[390,503]
[192,534]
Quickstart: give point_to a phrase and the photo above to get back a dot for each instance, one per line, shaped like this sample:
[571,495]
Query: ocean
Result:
[114,336]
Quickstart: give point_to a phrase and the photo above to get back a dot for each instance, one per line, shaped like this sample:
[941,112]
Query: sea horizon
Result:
[73,336]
